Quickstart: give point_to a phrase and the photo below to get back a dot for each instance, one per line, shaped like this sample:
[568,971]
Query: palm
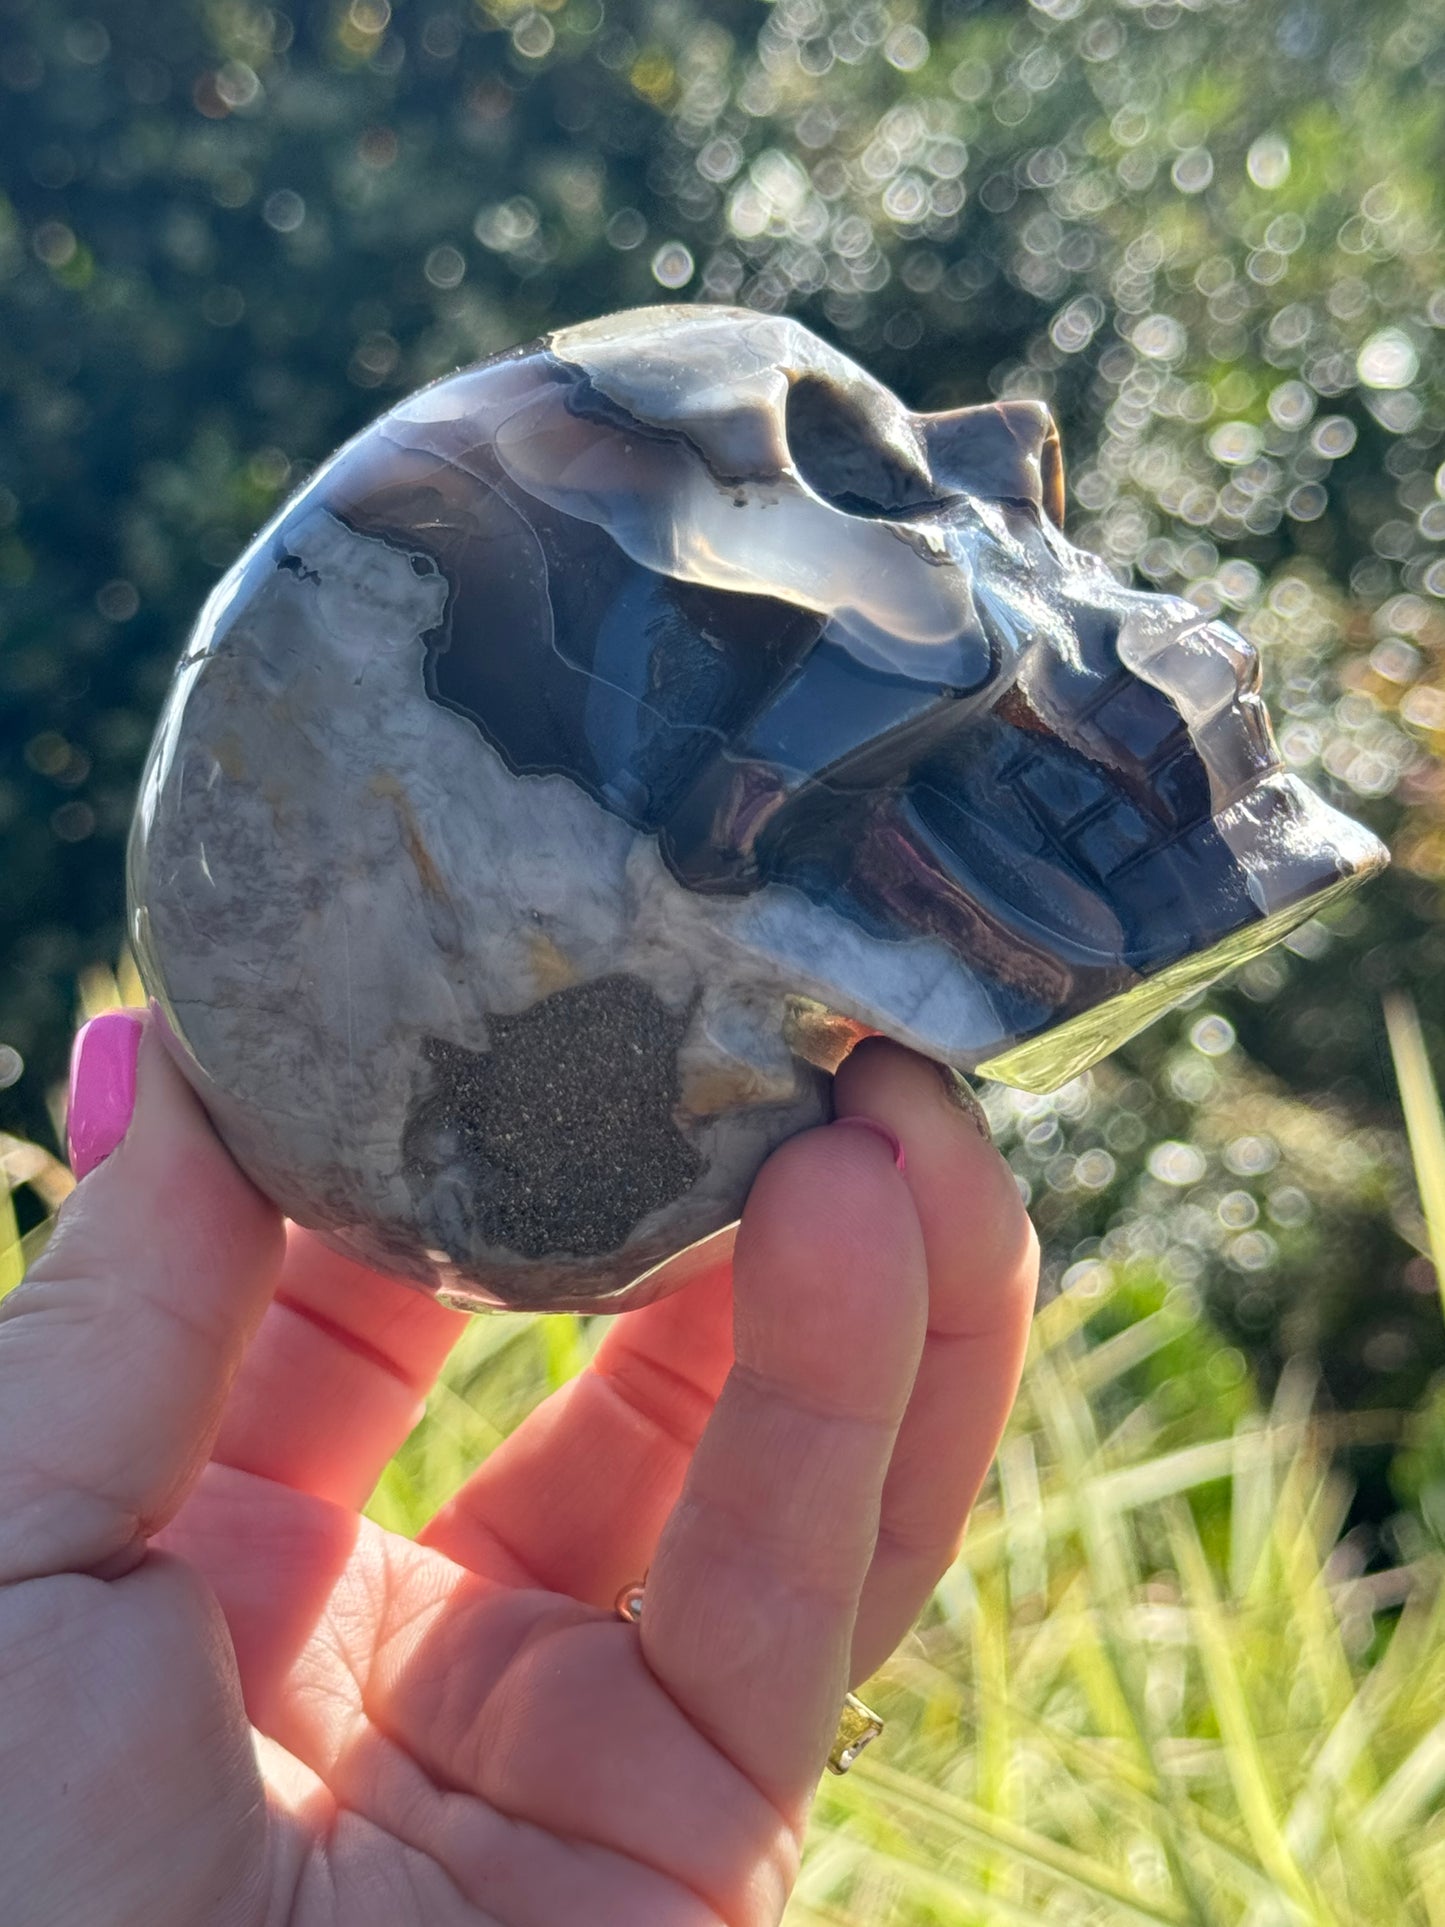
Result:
[501,1741]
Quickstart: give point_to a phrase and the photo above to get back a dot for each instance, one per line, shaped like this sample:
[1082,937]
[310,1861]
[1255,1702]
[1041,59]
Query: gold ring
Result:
[858,1725]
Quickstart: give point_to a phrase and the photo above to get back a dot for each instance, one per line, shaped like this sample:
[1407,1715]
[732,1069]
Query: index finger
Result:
[752,1596]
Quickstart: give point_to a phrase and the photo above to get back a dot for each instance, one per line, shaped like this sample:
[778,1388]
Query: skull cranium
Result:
[616,731]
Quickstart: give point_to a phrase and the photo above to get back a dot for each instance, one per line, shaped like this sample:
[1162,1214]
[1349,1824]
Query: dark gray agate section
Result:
[615,731]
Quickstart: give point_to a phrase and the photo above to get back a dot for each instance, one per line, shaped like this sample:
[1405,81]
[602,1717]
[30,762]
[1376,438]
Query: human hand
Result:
[230,1701]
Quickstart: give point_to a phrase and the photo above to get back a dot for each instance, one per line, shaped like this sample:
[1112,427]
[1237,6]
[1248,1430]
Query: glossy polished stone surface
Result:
[616,731]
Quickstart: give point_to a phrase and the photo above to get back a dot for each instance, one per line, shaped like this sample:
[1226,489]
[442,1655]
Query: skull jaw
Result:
[1296,856]
[1042,1063]
[1299,856]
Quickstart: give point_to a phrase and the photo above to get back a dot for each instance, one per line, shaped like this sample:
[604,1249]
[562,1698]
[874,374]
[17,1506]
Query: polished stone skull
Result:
[613,734]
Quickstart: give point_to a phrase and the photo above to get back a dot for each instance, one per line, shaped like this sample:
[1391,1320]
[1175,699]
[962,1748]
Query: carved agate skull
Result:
[615,732]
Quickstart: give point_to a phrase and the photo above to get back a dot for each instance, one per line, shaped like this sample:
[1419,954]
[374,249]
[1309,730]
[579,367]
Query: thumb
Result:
[117,1352]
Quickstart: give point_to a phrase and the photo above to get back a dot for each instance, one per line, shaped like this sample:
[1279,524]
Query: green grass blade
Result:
[1032,1851]
[1248,1770]
[1416,1786]
[1424,1120]
[12,1263]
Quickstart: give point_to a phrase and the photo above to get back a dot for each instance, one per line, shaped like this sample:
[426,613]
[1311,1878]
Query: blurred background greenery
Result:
[1211,234]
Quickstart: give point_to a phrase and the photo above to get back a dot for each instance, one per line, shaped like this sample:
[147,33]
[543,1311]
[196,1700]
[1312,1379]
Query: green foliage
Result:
[1100,1722]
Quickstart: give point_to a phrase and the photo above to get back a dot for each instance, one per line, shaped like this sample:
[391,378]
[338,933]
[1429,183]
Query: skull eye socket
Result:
[853,454]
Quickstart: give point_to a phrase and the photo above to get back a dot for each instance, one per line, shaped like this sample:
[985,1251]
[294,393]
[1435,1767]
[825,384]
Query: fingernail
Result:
[962,1096]
[102,1087]
[878,1130]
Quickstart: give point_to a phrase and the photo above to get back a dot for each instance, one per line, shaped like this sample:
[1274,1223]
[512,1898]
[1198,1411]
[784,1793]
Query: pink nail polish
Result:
[880,1131]
[102,1087]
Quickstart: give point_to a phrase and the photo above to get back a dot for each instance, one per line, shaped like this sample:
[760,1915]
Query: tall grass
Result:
[1155,1688]
[1424,1120]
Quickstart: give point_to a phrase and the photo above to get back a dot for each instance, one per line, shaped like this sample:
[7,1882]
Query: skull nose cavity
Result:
[1006,449]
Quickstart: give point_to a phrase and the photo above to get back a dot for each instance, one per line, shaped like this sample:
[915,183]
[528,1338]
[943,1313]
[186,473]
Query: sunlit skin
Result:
[230,1700]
